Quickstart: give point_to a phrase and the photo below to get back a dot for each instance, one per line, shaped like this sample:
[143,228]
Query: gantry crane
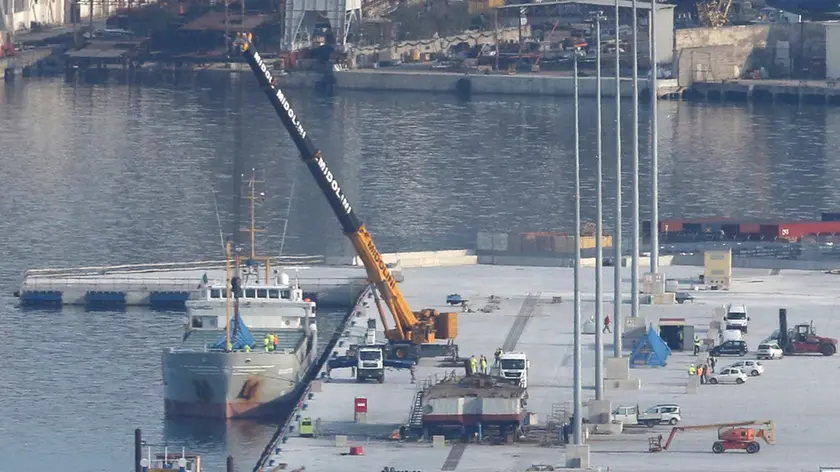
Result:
[730,436]
[415,333]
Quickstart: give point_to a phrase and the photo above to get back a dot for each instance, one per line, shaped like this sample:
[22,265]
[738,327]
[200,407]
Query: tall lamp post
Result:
[654,144]
[617,295]
[634,238]
[578,401]
[599,216]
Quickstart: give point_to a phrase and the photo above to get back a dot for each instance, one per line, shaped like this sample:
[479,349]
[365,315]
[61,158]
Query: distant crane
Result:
[713,13]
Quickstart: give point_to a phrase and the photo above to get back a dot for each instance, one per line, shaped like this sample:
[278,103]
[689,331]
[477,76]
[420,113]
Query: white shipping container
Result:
[484,241]
[672,286]
[500,242]
[500,406]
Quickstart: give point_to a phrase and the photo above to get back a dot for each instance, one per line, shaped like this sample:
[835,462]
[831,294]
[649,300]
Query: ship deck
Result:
[794,392]
[288,339]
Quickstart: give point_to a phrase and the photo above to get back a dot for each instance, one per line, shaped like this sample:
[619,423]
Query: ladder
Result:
[415,420]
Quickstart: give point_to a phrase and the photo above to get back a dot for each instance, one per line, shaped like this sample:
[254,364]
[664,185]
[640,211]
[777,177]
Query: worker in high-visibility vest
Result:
[692,371]
[473,365]
[697,344]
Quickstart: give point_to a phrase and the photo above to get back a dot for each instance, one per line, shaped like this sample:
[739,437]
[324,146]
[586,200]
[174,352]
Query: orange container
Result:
[446,325]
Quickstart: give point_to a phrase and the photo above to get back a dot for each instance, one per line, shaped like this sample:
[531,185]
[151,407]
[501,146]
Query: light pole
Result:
[617,236]
[634,238]
[654,145]
[599,223]
[578,407]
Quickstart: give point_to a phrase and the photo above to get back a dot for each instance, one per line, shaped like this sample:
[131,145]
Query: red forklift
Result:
[803,339]
[741,436]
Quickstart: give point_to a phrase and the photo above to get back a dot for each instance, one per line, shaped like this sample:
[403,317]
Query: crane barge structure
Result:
[415,333]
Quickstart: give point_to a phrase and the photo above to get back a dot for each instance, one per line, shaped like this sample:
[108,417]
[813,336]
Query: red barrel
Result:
[357,451]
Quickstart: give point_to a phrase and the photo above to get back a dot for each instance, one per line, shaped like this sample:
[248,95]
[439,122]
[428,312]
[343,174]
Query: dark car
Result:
[682,297]
[729,348]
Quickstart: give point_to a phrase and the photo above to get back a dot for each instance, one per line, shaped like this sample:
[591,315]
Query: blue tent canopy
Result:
[240,336]
[650,351]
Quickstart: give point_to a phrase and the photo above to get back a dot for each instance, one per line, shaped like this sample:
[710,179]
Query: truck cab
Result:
[370,363]
[514,366]
[736,318]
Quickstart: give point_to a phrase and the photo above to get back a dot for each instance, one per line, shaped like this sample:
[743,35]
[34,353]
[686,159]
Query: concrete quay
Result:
[792,392]
[764,91]
[399,79]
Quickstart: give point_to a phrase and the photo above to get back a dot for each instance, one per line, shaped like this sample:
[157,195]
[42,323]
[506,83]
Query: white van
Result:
[736,318]
[731,335]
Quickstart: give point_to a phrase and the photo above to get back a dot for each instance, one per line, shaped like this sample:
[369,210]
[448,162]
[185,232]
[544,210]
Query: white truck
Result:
[370,363]
[513,366]
[736,318]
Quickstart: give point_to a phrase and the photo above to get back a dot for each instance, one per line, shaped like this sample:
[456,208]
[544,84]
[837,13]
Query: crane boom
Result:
[408,327]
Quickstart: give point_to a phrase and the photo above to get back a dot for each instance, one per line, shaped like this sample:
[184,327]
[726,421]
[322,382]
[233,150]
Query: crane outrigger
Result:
[415,333]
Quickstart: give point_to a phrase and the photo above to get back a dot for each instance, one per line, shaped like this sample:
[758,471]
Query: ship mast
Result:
[228,294]
[252,229]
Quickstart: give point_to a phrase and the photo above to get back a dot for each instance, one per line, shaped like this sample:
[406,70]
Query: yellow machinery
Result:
[414,333]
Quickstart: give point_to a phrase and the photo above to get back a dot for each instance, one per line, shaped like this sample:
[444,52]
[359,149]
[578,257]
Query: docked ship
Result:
[223,367]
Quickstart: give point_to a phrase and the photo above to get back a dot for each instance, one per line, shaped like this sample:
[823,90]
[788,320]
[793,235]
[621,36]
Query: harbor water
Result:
[109,175]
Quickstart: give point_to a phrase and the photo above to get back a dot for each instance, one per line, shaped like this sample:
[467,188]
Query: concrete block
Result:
[341,441]
[627,384]
[599,411]
[606,428]
[693,384]
[617,368]
[439,441]
[360,418]
[316,386]
[664,299]
[577,457]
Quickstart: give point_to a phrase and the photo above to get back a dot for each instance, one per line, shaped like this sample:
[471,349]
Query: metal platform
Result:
[170,285]
[301,16]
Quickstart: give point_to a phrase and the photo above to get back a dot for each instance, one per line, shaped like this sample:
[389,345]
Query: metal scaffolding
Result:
[301,16]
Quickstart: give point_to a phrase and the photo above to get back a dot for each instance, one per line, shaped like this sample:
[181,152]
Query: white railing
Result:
[188,284]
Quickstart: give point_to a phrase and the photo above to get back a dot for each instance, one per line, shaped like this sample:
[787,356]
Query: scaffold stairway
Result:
[416,418]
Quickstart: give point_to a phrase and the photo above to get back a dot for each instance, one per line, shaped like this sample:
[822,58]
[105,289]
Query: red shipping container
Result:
[544,243]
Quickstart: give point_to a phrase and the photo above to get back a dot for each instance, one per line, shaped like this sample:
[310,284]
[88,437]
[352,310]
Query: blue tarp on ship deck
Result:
[240,336]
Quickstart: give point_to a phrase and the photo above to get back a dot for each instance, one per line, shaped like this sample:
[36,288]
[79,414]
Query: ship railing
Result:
[163,266]
[258,349]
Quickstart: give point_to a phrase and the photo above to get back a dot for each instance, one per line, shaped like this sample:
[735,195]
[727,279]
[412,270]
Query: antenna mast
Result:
[252,229]
[228,286]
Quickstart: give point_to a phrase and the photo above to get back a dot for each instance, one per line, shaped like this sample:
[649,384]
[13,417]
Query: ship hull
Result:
[234,385]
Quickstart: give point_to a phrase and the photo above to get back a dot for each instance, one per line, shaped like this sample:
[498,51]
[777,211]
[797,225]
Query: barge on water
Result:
[171,285]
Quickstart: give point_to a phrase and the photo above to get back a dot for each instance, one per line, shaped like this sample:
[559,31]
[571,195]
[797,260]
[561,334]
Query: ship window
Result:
[287,294]
[273,293]
[262,293]
[197,322]
[224,293]
[250,293]
[215,293]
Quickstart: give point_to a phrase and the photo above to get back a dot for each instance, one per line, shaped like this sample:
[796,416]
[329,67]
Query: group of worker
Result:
[270,342]
[477,366]
[702,370]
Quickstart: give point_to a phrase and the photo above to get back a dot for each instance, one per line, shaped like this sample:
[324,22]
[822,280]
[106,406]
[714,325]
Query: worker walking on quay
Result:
[413,371]
[267,342]
[692,371]
[483,363]
[498,356]
[473,365]
[606,325]
[275,340]
[712,363]
[697,344]
[700,370]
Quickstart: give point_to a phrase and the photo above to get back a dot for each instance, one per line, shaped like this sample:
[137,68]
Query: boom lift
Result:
[730,436]
[415,333]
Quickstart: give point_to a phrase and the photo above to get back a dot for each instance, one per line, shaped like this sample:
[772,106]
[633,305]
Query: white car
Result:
[728,375]
[769,350]
[750,367]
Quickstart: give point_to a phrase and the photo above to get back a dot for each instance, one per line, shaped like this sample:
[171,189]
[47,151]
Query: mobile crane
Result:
[415,333]
[730,436]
